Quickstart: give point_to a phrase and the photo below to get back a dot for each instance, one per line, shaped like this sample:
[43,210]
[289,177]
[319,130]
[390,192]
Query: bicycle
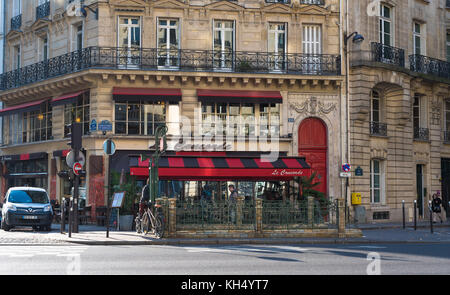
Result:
[155,222]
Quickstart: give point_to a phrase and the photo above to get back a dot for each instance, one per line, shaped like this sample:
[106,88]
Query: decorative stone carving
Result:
[313,107]
[435,111]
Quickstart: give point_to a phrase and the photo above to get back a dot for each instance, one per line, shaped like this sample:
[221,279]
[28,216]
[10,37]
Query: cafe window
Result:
[77,112]
[240,119]
[141,118]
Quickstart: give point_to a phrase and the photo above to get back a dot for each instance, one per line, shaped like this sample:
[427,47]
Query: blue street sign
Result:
[93,126]
[105,125]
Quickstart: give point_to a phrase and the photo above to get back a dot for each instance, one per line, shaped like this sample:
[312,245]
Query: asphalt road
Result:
[351,259]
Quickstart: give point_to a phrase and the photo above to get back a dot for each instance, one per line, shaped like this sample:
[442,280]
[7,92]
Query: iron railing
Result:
[43,10]
[421,133]
[430,66]
[172,60]
[388,54]
[16,22]
[377,128]
[279,1]
[313,2]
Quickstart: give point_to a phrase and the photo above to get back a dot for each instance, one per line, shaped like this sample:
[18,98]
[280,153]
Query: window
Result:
[16,57]
[375,107]
[240,119]
[79,38]
[448,46]
[32,126]
[418,38]
[277,46]
[168,43]
[312,39]
[77,112]
[447,114]
[376,181]
[223,45]
[44,48]
[419,119]
[386,25]
[129,40]
[143,118]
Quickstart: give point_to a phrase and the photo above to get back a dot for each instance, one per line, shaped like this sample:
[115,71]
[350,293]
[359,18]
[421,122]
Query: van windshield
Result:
[28,196]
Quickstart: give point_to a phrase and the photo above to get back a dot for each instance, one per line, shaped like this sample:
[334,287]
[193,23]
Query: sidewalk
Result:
[94,235]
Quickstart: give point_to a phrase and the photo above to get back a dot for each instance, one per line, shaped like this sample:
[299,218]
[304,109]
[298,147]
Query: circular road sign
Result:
[77,167]
[71,161]
[346,167]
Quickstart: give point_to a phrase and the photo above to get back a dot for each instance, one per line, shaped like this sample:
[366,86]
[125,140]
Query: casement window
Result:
[79,112]
[129,40]
[43,48]
[223,44]
[419,38]
[277,45]
[241,119]
[168,42]
[78,37]
[386,29]
[375,115]
[143,118]
[312,39]
[377,181]
[419,111]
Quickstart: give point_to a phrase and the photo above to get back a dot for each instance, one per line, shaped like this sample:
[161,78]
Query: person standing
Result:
[232,198]
[436,206]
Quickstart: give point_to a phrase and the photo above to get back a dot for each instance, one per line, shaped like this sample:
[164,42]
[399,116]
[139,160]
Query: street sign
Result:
[93,126]
[105,125]
[358,171]
[77,167]
[346,167]
[70,161]
[109,147]
[345,174]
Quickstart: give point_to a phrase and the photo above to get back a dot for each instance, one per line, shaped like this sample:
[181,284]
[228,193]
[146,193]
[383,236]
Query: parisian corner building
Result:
[313,83]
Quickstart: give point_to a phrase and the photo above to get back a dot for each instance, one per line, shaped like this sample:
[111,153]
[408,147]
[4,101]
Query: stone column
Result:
[341,220]
[172,217]
[259,216]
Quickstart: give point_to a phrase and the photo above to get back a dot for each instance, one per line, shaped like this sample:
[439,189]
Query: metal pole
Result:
[63,215]
[403,211]
[415,214]
[70,216]
[431,216]
[108,211]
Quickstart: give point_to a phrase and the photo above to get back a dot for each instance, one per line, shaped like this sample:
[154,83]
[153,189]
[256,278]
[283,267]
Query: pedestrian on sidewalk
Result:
[436,206]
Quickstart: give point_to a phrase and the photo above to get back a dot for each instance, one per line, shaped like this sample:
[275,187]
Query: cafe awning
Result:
[225,168]
[229,96]
[66,98]
[121,94]
[26,107]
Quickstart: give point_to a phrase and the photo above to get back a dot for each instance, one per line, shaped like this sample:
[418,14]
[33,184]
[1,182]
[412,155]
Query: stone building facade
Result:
[399,85]
[98,61]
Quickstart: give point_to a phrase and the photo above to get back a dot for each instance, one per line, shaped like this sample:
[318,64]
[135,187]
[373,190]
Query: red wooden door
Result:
[313,144]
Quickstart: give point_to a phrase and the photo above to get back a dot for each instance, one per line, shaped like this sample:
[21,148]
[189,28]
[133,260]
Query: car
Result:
[27,206]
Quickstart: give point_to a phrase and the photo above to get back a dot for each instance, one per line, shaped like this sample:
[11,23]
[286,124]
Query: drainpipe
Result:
[347,86]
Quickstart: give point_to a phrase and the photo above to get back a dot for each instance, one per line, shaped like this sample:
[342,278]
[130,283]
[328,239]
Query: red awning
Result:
[66,98]
[26,107]
[146,94]
[206,95]
[225,168]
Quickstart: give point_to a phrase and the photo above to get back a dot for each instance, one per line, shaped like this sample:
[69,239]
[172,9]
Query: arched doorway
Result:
[313,144]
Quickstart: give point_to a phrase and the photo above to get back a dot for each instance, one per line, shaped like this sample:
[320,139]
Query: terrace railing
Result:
[172,60]
[43,10]
[377,128]
[388,54]
[16,22]
[430,66]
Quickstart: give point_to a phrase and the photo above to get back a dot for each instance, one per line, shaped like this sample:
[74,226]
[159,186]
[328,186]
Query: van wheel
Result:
[4,226]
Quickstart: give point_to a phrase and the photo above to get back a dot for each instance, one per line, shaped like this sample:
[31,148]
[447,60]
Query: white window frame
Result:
[222,31]
[277,58]
[421,36]
[17,57]
[383,21]
[44,47]
[77,34]
[312,39]
[448,46]
[129,54]
[372,98]
[382,182]
[168,27]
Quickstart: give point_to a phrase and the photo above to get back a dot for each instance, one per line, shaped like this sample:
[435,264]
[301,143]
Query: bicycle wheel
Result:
[137,222]
[145,224]
[159,226]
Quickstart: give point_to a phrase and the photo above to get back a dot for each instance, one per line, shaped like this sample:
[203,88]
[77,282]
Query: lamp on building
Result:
[40,117]
[84,12]
[357,38]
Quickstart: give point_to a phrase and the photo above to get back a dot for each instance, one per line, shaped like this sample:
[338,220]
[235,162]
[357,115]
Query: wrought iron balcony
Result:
[172,60]
[313,2]
[43,10]
[377,128]
[16,22]
[430,66]
[388,54]
[421,134]
[279,1]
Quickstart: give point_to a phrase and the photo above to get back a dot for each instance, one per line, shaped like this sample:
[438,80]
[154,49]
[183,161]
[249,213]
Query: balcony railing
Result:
[279,1]
[43,10]
[388,54]
[178,60]
[421,134]
[430,66]
[16,22]
[377,128]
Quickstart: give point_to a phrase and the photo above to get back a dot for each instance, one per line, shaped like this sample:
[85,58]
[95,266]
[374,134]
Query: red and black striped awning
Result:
[230,96]
[225,168]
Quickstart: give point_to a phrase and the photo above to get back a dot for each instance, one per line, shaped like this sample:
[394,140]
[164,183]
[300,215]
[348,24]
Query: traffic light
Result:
[76,131]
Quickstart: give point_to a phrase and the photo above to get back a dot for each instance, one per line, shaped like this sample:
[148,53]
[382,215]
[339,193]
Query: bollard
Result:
[431,216]
[63,216]
[415,215]
[403,211]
